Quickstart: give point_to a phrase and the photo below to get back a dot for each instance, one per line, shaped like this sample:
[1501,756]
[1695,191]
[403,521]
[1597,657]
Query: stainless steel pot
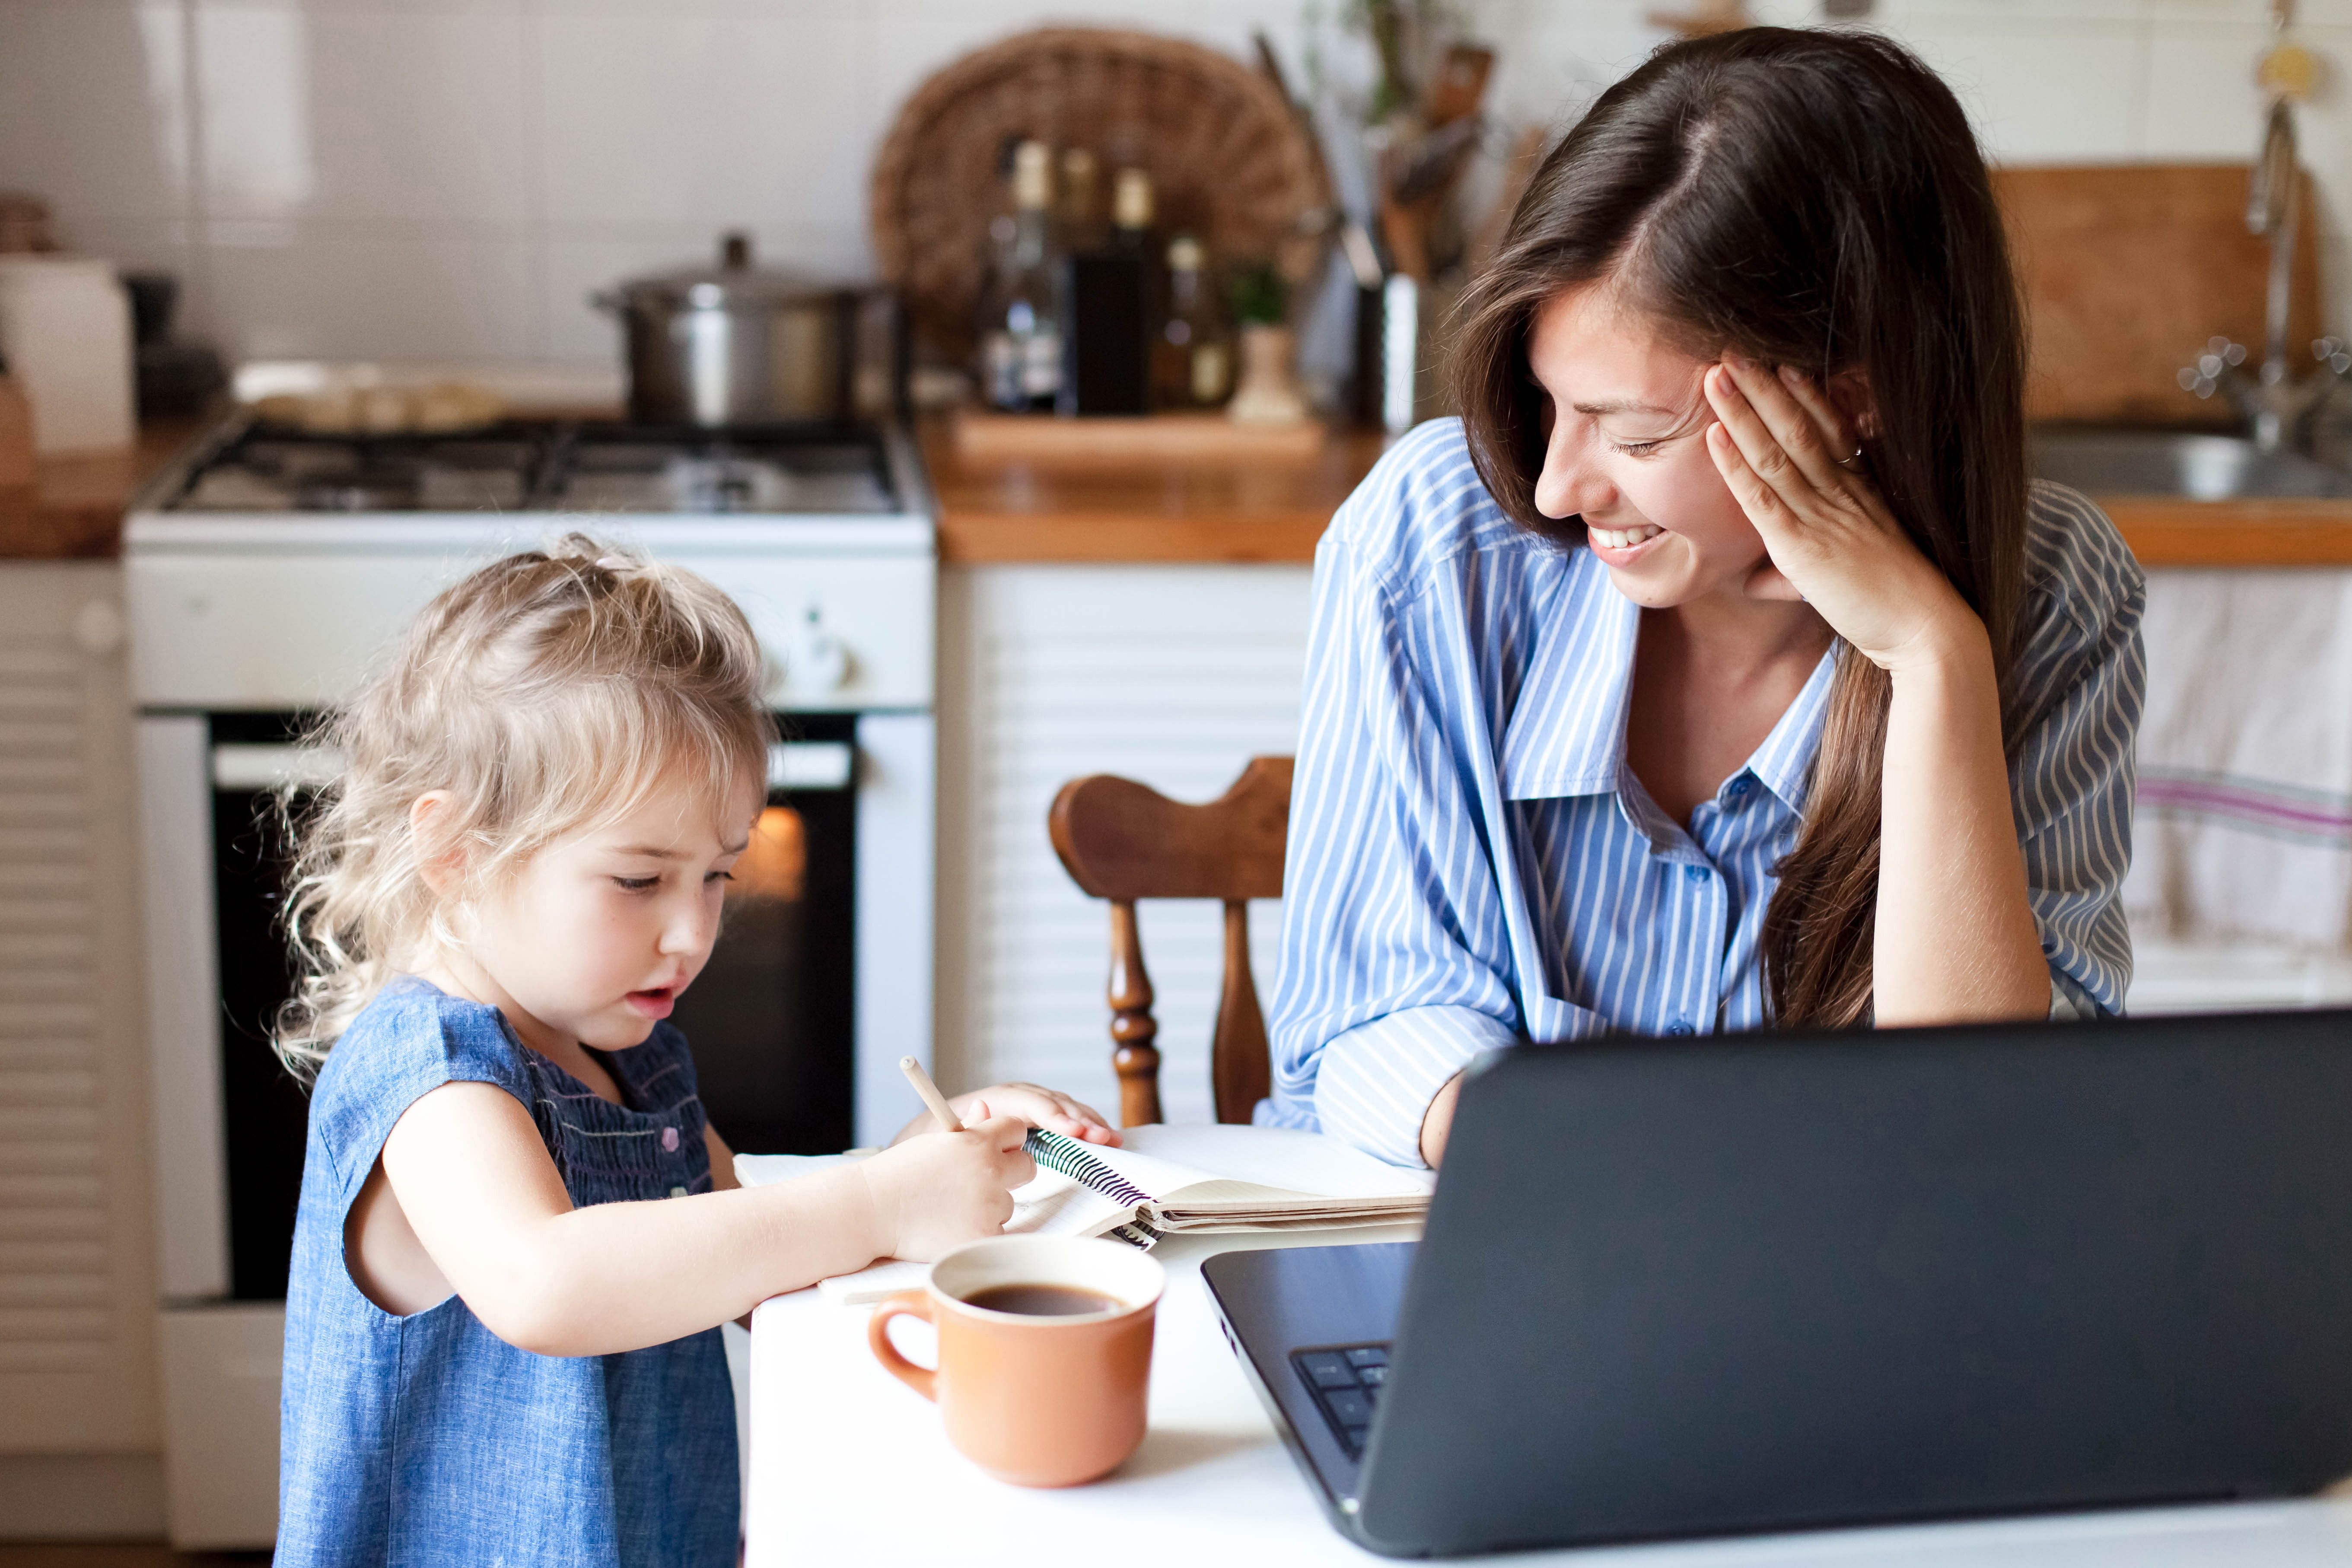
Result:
[736,343]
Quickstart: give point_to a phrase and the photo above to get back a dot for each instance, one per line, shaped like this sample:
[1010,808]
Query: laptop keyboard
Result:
[1347,1381]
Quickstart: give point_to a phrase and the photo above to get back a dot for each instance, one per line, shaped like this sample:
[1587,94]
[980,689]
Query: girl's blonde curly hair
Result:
[546,692]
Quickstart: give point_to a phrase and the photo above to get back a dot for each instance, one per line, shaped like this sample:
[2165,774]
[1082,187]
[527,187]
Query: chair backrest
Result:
[1122,841]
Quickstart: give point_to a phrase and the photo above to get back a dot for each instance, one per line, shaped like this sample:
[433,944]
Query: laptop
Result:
[1781,1283]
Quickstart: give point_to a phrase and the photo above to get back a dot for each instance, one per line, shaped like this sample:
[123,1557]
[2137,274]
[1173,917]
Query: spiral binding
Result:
[1069,1156]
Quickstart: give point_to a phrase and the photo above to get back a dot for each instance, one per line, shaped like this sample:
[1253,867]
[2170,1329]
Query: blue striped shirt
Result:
[1471,861]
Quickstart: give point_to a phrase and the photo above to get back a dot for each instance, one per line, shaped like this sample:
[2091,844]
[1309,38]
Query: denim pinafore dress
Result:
[428,1440]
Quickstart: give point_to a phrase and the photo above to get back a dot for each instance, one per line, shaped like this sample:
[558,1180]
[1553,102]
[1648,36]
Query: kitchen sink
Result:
[2172,463]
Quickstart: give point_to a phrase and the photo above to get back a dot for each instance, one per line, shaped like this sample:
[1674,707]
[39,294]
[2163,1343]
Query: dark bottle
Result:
[1078,217]
[1107,312]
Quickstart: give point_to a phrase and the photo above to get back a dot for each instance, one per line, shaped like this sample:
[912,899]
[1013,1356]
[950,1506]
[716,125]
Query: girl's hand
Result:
[932,1195]
[1785,452]
[1040,1107]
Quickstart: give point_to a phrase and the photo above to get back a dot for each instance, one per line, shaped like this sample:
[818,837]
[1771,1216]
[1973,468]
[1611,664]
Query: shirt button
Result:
[1696,873]
[1738,787]
[1679,1026]
[678,1192]
[669,1140]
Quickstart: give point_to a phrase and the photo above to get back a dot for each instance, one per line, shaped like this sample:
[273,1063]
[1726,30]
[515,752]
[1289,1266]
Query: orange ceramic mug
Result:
[1044,1353]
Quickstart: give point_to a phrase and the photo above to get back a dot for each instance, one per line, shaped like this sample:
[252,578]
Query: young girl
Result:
[1720,668]
[518,1233]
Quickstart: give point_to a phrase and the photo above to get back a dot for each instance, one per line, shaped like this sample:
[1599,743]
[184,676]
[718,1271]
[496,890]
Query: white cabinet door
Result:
[1172,674]
[77,1296]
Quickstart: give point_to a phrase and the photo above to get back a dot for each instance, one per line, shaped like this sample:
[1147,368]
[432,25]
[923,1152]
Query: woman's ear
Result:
[1850,394]
[440,861]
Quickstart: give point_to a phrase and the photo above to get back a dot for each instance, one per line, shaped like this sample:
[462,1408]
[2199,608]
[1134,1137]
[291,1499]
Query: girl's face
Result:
[593,937]
[1624,447]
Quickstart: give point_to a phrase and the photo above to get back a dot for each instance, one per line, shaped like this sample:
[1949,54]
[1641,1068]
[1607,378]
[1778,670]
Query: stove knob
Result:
[819,661]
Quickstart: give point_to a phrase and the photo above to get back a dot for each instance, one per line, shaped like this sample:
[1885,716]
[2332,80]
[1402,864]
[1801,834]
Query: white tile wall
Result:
[93,108]
[399,178]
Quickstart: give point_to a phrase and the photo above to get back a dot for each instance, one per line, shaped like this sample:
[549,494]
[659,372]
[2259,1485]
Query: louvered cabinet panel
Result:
[1174,676]
[76,1299]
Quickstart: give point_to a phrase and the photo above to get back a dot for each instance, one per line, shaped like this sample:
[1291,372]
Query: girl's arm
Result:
[471,1178]
[722,1177]
[1956,938]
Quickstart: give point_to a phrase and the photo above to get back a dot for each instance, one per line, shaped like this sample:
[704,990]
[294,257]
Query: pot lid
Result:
[732,280]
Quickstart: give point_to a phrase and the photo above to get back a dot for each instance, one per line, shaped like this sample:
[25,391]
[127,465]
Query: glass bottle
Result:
[996,358]
[1131,212]
[1021,340]
[1192,362]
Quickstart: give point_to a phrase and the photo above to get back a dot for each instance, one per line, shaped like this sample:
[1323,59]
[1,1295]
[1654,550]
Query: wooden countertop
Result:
[1198,510]
[74,509]
[1189,510]
[2256,533]
[1172,513]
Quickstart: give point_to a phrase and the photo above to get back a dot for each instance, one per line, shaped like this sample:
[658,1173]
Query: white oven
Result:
[246,623]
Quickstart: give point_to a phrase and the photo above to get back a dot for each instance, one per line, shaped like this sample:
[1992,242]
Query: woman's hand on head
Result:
[1784,449]
[934,1193]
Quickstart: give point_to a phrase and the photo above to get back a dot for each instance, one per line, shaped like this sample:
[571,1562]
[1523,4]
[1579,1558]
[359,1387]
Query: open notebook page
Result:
[1202,1177]
[1220,1169]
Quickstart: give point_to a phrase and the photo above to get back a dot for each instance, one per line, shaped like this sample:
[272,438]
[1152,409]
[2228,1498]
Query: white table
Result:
[849,1466]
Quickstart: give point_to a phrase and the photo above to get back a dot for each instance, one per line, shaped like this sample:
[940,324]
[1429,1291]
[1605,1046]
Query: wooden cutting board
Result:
[2128,270]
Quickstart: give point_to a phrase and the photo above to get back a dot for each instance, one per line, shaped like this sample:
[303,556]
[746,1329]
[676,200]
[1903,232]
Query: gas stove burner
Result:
[725,473]
[726,484]
[550,466]
[379,491]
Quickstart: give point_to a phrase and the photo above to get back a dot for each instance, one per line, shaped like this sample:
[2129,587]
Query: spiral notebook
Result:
[1169,1179]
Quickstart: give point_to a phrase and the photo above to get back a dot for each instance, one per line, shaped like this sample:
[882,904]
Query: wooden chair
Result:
[1122,841]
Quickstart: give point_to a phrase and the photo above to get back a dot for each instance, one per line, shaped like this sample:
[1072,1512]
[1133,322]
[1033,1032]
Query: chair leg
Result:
[1133,1029]
[1241,1071]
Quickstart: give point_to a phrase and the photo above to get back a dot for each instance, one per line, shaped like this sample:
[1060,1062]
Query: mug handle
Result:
[910,1304]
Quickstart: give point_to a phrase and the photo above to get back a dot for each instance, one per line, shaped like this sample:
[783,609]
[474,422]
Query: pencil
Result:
[945,1113]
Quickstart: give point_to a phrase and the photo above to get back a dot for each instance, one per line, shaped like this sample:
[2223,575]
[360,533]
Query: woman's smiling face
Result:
[1625,448]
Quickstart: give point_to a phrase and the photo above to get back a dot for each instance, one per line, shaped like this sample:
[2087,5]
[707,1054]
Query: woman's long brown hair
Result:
[1813,199]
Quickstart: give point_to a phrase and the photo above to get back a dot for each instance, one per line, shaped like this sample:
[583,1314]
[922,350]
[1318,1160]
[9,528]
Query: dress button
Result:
[1696,873]
[1679,1026]
[669,1140]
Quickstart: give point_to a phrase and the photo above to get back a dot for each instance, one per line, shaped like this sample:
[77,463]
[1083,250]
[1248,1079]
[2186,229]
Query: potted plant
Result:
[1268,391]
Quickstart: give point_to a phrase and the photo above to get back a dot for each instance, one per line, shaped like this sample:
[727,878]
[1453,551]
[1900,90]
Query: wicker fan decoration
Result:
[1230,158]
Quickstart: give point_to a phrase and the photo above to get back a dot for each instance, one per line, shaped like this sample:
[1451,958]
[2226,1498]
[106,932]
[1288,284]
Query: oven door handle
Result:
[243,769]
[802,765]
[791,765]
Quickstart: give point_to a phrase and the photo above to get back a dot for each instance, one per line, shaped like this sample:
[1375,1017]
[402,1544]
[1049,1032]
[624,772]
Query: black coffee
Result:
[1042,1301]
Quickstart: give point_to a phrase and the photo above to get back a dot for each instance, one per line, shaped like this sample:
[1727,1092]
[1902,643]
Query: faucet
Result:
[2271,400]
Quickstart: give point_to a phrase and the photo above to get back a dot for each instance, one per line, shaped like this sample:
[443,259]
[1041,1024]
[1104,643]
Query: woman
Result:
[1720,668]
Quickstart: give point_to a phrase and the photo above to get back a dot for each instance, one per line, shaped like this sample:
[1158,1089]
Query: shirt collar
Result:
[1567,732]
[1784,763]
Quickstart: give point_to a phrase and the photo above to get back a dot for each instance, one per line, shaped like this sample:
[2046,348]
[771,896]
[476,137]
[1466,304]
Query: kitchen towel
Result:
[2243,830]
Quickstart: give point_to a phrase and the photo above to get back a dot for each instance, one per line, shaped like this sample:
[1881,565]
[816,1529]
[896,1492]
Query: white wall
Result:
[448,179]
[1176,675]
